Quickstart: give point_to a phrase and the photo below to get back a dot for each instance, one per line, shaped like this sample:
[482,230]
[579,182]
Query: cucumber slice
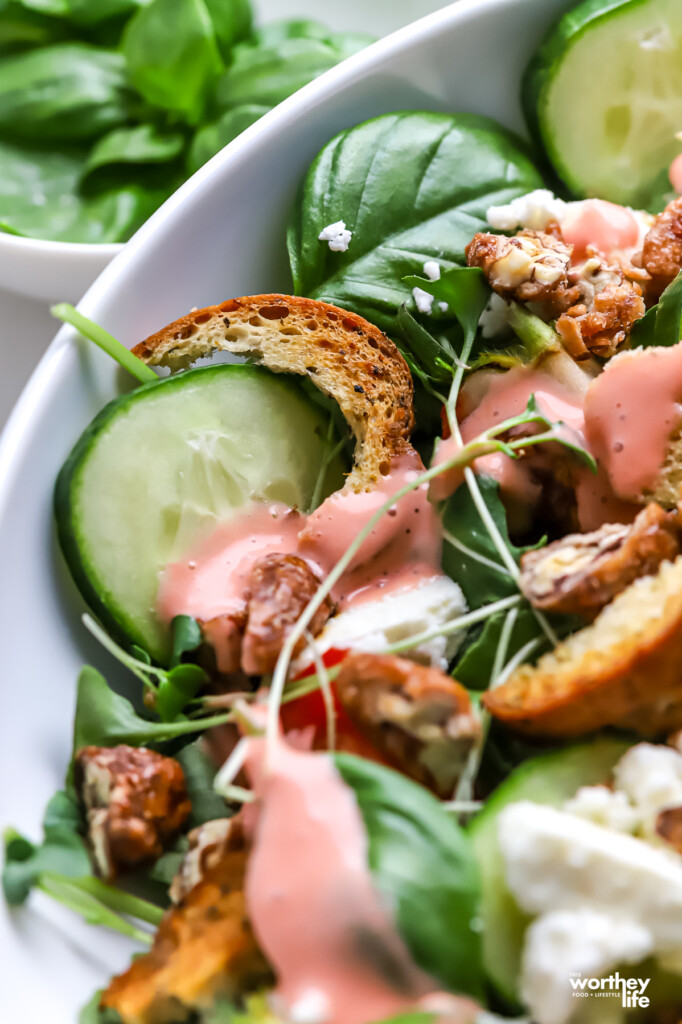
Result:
[550,779]
[160,467]
[604,94]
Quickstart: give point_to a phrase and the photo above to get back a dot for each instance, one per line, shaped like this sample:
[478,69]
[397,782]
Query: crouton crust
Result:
[346,357]
[204,948]
[623,670]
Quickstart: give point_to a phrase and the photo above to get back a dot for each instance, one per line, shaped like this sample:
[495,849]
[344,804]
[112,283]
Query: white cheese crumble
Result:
[337,235]
[651,778]
[535,210]
[604,806]
[495,317]
[424,300]
[376,625]
[600,898]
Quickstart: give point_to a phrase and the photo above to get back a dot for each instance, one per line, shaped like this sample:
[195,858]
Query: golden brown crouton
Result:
[623,670]
[581,573]
[346,357]
[204,949]
[135,802]
[662,249]
[417,717]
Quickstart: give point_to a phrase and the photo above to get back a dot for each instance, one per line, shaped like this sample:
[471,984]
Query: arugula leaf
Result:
[187,637]
[172,55]
[268,74]
[213,137]
[141,144]
[476,568]
[62,93]
[62,851]
[423,866]
[662,324]
[431,357]
[200,773]
[412,186]
[104,718]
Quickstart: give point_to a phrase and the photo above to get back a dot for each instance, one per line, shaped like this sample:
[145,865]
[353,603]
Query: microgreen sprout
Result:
[93,332]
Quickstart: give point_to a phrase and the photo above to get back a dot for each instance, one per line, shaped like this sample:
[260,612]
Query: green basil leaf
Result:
[463,290]
[21,28]
[62,851]
[232,21]
[141,144]
[213,137]
[67,92]
[172,56]
[412,186]
[92,12]
[40,198]
[423,866]
[275,32]
[266,75]
[662,324]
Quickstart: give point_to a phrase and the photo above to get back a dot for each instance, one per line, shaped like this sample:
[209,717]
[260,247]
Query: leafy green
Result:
[173,57]
[423,866]
[187,637]
[431,358]
[104,718]
[200,772]
[100,904]
[22,28]
[141,144]
[40,198]
[662,324]
[84,12]
[213,137]
[474,668]
[412,186]
[267,74]
[62,93]
[62,851]
[231,22]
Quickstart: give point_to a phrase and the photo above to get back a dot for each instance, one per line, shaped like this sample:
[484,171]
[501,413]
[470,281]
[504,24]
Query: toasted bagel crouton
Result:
[346,357]
[623,670]
[583,572]
[204,949]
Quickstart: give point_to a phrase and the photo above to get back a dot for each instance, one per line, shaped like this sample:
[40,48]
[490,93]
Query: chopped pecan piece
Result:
[135,802]
[601,320]
[280,587]
[204,949]
[581,573]
[530,267]
[662,249]
[417,717]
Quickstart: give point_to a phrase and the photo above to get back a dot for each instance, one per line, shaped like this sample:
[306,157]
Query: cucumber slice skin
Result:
[549,779]
[540,72]
[67,489]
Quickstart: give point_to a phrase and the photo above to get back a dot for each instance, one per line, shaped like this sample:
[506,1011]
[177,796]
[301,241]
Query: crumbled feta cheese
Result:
[604,806]
[569,942]
[432,270]
[423,300]
[376,625]
[337,235]
[534,210]
[311,1008]
[494,318]
[651,776]
[557,864]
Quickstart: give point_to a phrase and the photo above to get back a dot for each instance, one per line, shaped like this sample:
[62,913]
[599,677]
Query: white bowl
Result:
[222,234]
[52,271]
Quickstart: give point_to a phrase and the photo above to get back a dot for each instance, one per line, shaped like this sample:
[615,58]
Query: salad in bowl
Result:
[395,562]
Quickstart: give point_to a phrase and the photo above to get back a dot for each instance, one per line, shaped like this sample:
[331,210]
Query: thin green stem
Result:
[138,668]
[474,555]
[455,625]
[65,312]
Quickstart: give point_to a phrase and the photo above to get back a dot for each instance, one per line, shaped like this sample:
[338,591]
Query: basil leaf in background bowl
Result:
[62,93]
[141,144]
[21,28]
[412,186]
[213,137]
[423,865]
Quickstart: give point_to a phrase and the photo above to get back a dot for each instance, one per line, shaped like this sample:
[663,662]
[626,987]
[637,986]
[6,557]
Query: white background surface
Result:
[26,327]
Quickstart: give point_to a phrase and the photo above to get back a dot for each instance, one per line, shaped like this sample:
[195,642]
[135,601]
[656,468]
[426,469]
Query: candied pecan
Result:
[662,249]
[280,587]
[581,573]
[600,324]
[417,717]
[224,635]
[532,266]
[204,949]
[208,844]
[135,802]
